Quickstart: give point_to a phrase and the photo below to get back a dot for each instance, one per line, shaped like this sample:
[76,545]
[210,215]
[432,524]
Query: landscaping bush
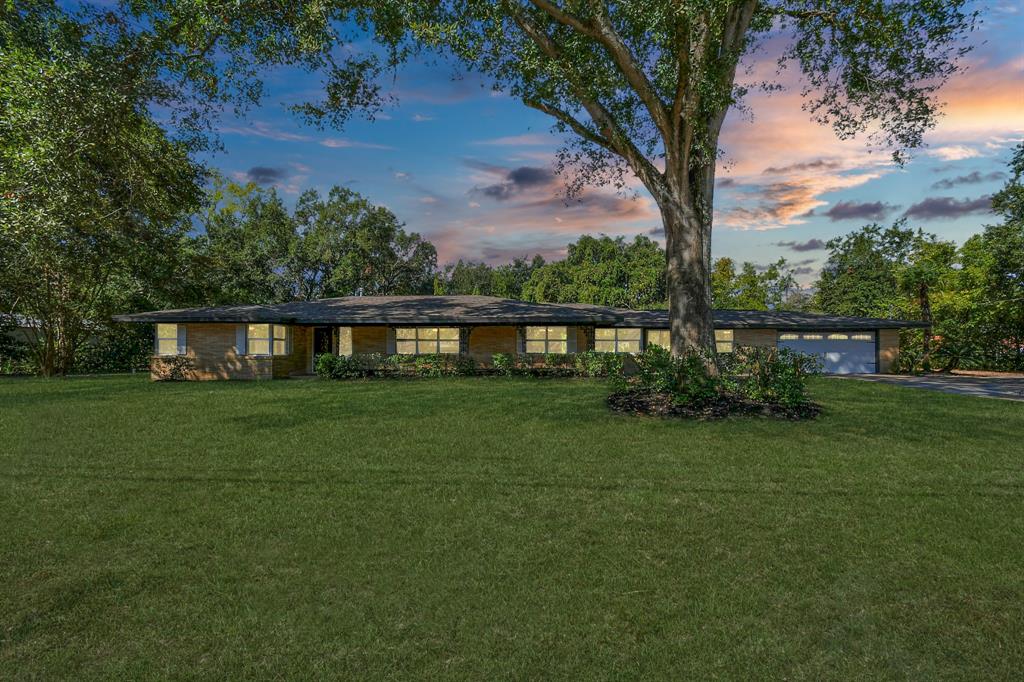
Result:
[777,376]
[593,364]
[751,380]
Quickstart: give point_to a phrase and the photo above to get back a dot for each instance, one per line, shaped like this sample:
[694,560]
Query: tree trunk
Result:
[691,319]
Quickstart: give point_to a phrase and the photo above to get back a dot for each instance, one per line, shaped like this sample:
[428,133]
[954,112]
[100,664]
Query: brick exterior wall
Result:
[211,348]
[754,337]
[486,341]
[370,339]
[888,350]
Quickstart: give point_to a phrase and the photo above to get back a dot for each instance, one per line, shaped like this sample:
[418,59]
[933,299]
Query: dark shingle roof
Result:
[489,310]
[768,319]
[422,310]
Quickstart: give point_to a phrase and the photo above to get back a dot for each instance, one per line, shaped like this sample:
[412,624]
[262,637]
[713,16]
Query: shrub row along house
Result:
[277,341]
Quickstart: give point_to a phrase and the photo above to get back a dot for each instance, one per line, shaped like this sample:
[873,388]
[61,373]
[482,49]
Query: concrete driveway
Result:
[1007,388]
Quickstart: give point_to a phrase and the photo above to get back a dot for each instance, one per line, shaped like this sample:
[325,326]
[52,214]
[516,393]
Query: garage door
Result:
[840,352]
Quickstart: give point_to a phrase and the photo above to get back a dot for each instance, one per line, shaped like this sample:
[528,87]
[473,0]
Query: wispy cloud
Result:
[955,152]
[812,244]
[420,118]
[524,140]
[264,130]
[344,143]
[972,178]
[854,210]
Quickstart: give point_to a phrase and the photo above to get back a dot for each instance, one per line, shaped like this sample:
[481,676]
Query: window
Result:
[170,339]
[658,337]
[547,339]
[723,340]
[267,339]
[788,337]
[426,340]
[617,340]
[813,337]
[838,337]
[862,337]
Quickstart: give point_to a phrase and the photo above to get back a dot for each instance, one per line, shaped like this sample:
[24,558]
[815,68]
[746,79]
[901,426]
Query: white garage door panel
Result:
[837,356]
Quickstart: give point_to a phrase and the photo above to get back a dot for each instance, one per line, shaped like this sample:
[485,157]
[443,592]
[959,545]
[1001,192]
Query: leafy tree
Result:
[465,278]
[508,281]
[603,271]
[642,86]
[860,276]
[253,251]
[770,288]
[93,193]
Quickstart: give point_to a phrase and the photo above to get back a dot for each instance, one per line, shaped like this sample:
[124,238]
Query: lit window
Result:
[862,337]
[167,340]
[546,339]
[266,339]
[788,337]
[723,340]
[617,340]
[813,337]
[426,340]
[839,337]
[658,337]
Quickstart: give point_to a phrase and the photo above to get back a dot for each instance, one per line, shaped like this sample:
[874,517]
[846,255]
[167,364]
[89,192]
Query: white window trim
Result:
[180,340]
[270,339]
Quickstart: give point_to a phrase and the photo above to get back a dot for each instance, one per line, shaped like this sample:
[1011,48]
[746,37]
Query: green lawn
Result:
[503,529]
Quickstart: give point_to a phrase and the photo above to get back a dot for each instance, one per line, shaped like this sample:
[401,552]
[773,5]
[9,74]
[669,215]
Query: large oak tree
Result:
[641,86]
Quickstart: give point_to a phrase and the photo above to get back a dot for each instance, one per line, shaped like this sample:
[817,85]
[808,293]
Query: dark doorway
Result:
[323,340]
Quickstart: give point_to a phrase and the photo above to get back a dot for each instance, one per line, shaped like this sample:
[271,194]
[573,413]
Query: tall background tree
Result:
[93,193]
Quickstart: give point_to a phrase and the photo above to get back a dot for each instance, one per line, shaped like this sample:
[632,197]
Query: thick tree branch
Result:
[609,128]
[578,127]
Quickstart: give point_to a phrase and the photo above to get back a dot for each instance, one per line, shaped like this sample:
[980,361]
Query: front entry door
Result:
[323,340]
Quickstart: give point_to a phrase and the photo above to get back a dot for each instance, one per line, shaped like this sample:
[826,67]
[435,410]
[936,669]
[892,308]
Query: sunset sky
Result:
[470,169]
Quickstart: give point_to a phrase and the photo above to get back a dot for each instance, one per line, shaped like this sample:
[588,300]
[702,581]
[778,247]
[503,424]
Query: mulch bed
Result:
[651,403]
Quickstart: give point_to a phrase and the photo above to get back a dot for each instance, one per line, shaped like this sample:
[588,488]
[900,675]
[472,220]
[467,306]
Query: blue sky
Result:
[471,169]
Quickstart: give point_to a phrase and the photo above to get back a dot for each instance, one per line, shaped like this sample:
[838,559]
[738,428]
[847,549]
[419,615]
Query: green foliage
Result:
[776,376]
[771,288]
[603,271]
[94,195]
[118,348]
[253,251]
[686,377]
[177,368]
[594,364]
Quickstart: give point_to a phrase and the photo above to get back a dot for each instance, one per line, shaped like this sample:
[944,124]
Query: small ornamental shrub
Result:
[594,364]
[776,376]
[504,364]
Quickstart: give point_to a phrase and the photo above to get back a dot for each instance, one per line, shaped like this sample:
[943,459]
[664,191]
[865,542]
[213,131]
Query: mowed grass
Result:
[503,529]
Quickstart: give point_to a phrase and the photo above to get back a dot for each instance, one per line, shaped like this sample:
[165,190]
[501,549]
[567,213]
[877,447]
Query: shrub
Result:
[504,364]
[776,376]
[594,364]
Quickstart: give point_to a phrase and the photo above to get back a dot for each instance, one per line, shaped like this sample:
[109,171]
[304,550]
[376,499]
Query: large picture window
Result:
[426,340]
[660,337]
[267,339]
[547,339]
[170,340]
[617,340]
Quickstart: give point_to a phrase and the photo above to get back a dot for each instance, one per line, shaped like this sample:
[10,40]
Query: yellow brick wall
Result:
[297,362]
[485,341]
[370,339]
[211,348]
[888,350]
[754,337]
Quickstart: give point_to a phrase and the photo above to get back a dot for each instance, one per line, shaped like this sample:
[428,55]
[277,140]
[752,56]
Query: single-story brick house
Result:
[274,341]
